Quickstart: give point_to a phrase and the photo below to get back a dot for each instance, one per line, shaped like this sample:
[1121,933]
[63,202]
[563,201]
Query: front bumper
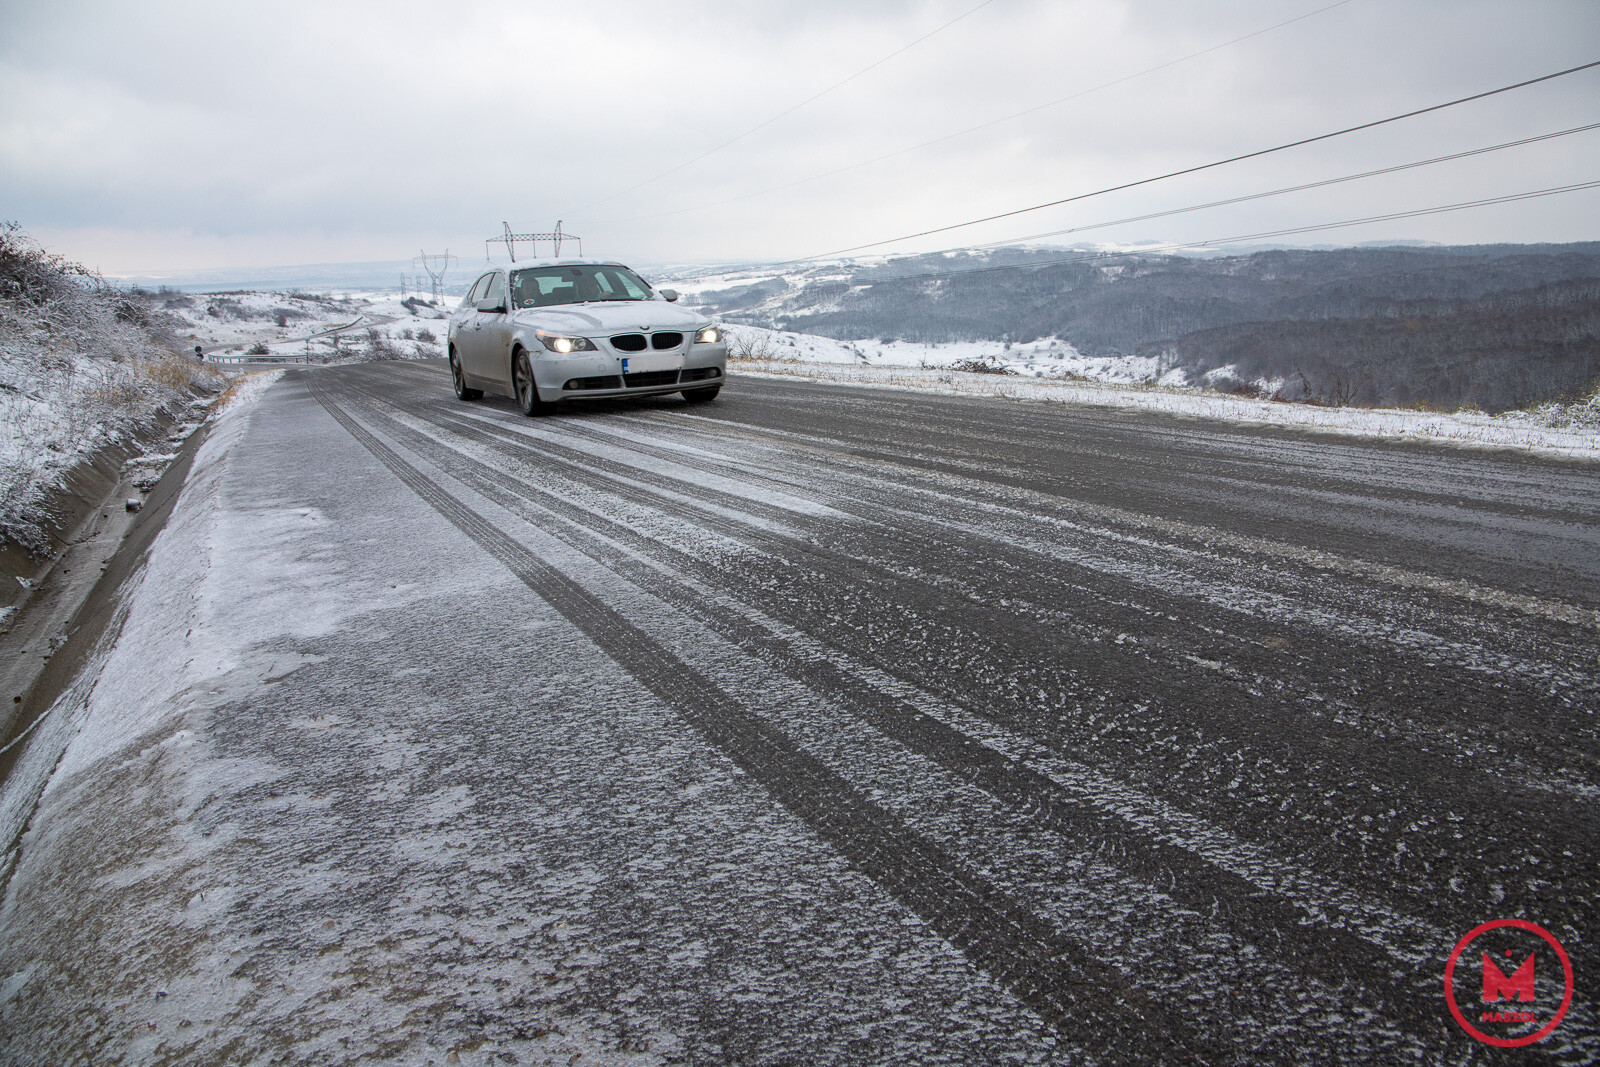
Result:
[589,375]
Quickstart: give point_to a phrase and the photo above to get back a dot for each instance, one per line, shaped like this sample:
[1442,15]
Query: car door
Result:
[491,335]
[468,330]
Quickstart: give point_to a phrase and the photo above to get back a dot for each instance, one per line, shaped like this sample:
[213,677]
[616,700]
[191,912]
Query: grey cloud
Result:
[410,123]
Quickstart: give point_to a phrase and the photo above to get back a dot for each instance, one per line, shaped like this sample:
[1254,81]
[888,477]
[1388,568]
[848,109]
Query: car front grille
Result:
[655,377]
[638,342]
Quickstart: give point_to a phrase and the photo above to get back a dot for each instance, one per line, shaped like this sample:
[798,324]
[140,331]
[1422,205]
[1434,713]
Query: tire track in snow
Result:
[1303,935]
[1035,514]
[1337,563]
[1048,971]
[1129,730]
[1255,615]
[1343,781]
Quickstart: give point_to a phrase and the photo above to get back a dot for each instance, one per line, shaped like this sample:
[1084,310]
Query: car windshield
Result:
[537,287]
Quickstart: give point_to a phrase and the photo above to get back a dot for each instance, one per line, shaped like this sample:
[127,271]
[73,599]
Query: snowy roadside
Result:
[161,663]
[83,367]
[246,389]
[142,838]
[1053,373]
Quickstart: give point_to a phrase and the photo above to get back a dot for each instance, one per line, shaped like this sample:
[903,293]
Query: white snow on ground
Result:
[74,378]
[1048,357]
[237,320]
[1552,430]
[375,325]
[247,389]
[95,712]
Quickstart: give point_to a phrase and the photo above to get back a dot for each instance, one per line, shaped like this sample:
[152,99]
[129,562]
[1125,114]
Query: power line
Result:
[1285,189]
[1208,166]
[980,126]
[791,110]
[1182,245]
[1244,199]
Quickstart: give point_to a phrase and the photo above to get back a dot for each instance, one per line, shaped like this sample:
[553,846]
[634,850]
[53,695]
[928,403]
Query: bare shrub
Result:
[379,346]
[30,274]
[980,365]
[750,345]
[82,363]
[427,336]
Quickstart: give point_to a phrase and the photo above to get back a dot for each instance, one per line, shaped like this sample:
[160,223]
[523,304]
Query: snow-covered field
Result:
[236,320]
[326,328]
[1048,357]
[1050,370]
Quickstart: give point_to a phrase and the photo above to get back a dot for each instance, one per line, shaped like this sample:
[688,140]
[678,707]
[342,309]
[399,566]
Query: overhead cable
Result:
[1180,246]
[1209,166]
[790,110]
[1280,192]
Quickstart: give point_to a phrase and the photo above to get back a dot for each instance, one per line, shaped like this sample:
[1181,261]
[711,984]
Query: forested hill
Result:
[1497,326]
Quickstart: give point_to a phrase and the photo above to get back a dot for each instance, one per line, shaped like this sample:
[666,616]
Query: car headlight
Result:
[563,346]
[708,336]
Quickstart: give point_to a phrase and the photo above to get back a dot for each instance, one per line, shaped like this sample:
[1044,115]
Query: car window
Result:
[497,288]
[622,284]
[476,292]
[544,286]
[541,288]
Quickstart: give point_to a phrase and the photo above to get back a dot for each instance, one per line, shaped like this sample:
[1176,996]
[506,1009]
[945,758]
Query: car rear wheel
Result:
[459,380]
[522,379]
[700,396]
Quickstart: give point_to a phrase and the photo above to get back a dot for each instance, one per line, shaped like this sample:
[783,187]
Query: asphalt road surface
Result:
[831,725]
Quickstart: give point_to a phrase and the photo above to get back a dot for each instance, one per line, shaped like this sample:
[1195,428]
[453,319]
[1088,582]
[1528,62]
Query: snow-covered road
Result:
[817,725]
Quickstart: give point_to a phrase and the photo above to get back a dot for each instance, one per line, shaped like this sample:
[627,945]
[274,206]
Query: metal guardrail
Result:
[329,336]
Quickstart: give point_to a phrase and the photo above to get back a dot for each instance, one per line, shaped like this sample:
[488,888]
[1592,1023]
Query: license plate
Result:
[649,361]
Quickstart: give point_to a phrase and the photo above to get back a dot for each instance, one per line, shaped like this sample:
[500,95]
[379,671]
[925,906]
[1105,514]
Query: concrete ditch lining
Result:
[57,630]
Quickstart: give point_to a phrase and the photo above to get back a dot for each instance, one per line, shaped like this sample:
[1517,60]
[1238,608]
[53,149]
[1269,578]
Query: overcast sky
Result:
[151,136]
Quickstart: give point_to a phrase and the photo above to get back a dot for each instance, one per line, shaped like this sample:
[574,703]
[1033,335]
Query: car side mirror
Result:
[489,303]
[670,294]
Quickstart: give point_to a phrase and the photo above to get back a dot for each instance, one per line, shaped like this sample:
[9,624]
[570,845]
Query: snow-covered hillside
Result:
[319,327]
[1048,371]
[82,365]
[1497,329]
[1049,357]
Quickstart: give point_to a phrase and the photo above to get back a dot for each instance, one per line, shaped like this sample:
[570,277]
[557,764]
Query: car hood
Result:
[623,316]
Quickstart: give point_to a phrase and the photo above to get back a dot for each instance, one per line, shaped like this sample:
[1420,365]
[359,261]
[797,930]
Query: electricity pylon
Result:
[435,264]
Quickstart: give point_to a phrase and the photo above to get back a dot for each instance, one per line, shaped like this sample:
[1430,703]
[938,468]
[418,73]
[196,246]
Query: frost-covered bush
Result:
[82,363]
[981,365]
[748,344]
[1581,414]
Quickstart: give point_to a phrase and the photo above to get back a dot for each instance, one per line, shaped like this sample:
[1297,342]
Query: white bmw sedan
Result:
[570,328]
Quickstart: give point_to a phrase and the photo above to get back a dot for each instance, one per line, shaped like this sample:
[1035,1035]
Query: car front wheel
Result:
[522,378]
[459,380]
